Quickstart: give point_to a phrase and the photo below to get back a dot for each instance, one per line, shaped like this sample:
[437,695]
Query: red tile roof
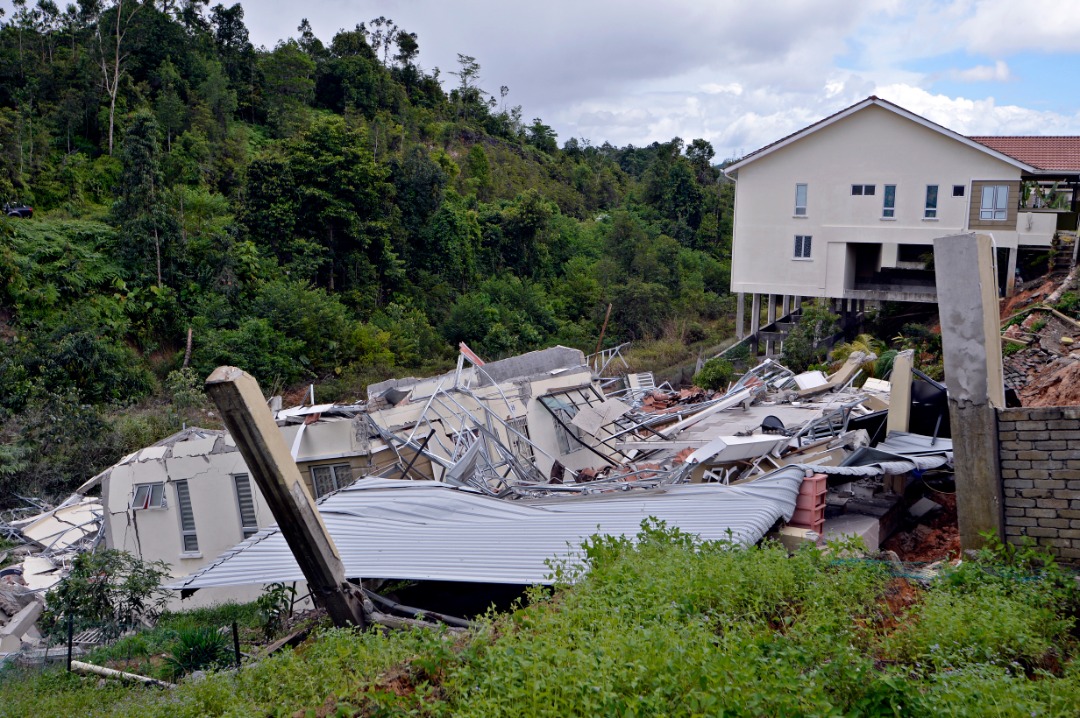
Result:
[1045,153]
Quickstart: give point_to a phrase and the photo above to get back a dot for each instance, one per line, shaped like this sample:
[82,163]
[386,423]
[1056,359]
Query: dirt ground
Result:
[935,540]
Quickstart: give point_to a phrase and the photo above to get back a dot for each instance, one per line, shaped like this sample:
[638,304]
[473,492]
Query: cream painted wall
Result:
[872,146]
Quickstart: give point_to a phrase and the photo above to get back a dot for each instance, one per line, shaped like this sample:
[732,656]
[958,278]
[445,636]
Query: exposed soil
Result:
[935,540]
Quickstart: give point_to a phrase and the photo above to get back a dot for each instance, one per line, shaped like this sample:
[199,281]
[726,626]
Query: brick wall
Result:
[1040,473]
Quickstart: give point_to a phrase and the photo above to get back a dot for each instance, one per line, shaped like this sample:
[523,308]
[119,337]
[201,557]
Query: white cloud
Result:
[980,117]
[998,72]
[731,88]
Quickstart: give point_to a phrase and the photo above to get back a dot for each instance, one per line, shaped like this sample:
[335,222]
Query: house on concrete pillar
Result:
[848,208]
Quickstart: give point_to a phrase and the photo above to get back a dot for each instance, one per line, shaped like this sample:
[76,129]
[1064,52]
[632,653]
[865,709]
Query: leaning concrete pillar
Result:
[740,315]
[796,302]
[246,416]
[971,343]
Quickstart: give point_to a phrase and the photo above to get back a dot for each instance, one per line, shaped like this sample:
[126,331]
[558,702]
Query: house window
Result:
[149,496]
[863,189]
[245,500]
[958,190]
[800,200]
[930,211]
[802,246]
[330,478]
[995,202]
[566,433]
[188,538]
[888,206]
[520,445]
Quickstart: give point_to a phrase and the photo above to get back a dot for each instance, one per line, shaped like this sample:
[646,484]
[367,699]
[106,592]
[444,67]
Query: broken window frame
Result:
[189,540]
[520,445]
[149,496]
[249,524]
[334,478]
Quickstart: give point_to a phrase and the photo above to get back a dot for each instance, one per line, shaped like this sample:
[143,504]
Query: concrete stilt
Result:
[784,305]
[755,320]
[1010,273]
[971,343]
[740,315]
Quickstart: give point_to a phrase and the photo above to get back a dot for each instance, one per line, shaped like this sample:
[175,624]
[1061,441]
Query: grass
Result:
[671,627]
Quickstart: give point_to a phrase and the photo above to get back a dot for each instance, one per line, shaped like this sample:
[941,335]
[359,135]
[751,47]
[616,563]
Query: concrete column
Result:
[784,304]
[796,302]
[740,315]
[250,423]
[971,343]
[900,395]
[755,313]
[1010,273]
[771,312]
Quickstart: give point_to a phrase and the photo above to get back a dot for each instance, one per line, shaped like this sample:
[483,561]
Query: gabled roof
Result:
[886,105]
[1060,154]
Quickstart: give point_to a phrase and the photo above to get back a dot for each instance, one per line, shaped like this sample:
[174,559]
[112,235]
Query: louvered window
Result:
[249,525]
[187,518]
[330,478]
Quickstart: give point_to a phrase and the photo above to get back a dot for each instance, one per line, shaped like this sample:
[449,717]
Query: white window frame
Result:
[888,203]
[249,522]
[189,539]
[800,207]
[930,207]
[997,210]
[149,496]
[338,476]
[804,244]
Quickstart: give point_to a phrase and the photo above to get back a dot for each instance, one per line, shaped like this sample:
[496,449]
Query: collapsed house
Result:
[506,476]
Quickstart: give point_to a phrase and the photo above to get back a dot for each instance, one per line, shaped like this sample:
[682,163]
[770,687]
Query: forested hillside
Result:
[319,211]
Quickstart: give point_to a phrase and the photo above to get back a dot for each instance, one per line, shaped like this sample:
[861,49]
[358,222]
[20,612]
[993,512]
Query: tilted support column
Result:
[252,426]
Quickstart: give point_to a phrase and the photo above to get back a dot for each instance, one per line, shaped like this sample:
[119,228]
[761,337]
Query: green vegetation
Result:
[674,627]
[321,211]
[109,589]
[715,374]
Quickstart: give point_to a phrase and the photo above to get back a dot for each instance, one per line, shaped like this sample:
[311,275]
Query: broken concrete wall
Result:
[1040,472]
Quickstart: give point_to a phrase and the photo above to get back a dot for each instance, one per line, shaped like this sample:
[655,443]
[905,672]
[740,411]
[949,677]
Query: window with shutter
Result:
[188,538]
[245,500]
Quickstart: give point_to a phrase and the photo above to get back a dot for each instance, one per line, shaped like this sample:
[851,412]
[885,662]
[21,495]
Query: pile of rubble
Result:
[48,539]
[1045,370]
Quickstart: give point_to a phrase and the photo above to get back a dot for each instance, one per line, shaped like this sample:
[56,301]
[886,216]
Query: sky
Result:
[738,73]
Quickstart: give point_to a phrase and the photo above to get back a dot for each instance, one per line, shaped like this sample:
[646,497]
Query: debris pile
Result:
[48,540]
[1042,348]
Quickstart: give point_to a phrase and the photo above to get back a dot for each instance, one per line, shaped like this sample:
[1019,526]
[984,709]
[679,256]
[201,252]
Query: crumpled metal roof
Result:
[428,530]
[900,453]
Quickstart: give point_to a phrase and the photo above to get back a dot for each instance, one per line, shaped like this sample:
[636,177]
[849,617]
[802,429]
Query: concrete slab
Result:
[854,525]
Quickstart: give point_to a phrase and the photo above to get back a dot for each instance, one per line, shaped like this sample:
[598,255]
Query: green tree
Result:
[140,210]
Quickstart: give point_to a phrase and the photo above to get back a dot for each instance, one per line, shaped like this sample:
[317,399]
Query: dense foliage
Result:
[674,627]
[315,211]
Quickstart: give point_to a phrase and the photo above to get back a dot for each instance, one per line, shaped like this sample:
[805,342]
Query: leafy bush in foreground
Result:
[672,626]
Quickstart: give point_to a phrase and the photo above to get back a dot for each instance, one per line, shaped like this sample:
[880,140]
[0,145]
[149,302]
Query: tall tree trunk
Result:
[157,250]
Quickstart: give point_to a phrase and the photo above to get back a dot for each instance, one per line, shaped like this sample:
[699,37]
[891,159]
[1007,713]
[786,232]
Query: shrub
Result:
[715,374]
[111,589]
[197,649]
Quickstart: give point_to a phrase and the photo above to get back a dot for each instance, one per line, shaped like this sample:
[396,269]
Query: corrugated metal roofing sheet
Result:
[427,530]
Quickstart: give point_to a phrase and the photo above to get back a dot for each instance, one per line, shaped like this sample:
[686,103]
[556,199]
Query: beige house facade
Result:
[848,208]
